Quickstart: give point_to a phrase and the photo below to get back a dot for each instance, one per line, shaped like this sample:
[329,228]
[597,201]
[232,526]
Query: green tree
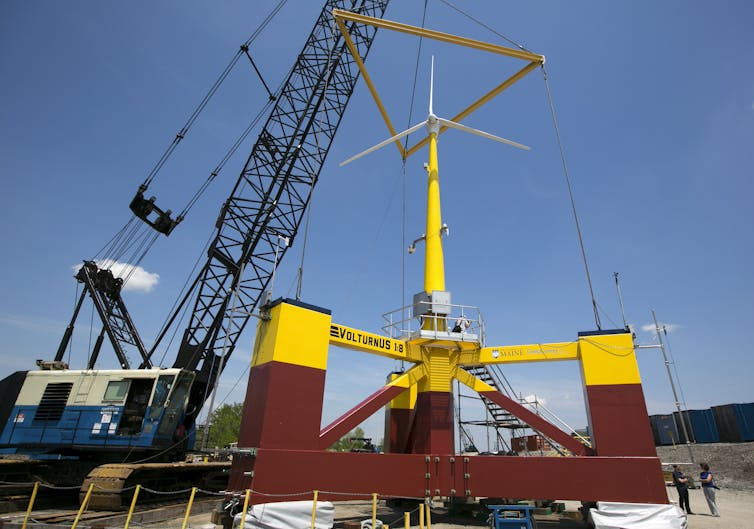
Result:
[349,442]
[224,425]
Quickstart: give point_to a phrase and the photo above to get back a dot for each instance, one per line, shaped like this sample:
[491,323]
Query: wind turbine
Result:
[434,267]
[433,126]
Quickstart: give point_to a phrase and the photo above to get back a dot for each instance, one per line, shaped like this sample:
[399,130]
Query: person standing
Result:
[681,483]
[708,486]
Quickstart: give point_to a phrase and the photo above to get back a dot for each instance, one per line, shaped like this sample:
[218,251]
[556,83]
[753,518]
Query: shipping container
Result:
[727,423]
[700,425]
[664,430]
[745,417]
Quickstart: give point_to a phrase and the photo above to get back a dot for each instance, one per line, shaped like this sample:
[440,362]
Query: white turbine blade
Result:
[431,83]
[386,142]
[454,125]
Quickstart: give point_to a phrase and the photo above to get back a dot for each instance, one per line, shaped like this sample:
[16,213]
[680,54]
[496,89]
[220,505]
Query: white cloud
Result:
[534,399]
[139,281]
[669,327]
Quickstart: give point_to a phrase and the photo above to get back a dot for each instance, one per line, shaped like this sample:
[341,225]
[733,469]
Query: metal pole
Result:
[672,385]
[245,509]
[188,508]
[84,505]
[31,504]
[133,506]
[314,508]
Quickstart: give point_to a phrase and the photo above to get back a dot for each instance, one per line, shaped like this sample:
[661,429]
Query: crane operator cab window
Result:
[137,392]
[161,392]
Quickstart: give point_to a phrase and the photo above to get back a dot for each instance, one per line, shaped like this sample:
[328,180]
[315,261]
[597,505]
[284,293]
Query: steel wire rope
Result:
[562,156]
[184,288]
[116,237]
[205,100]
[221,164]
[120,245]
[138,255]
[607,315]
[573,201]
[238,380]
[470,17]
[403,165]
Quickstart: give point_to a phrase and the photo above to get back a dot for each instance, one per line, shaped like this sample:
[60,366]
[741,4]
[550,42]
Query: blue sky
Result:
[655,102]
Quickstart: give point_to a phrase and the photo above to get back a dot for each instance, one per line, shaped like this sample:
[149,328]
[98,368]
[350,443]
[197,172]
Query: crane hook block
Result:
[147,210]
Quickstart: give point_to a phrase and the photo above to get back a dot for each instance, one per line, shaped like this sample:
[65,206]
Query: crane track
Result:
[113,485]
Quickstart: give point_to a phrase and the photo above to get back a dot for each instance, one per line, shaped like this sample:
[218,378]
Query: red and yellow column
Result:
[616,410]
[283,406]
[398,415]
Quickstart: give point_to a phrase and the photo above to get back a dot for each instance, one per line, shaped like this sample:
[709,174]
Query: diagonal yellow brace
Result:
[370,84]
[411,377]
[486,98]
[471,381]
[341,16]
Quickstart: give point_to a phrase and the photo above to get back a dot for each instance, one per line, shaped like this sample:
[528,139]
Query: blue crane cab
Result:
[65,412]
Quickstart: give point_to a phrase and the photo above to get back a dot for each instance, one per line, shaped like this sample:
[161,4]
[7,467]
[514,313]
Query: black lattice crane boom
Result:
[273,190]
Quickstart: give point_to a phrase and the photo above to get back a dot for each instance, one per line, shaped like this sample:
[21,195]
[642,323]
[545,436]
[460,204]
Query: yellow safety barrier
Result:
[374,510]
[133,505]
[188,509]
[245,508]
[421,516]
[407,520]
[31,504]
[83,505]
[429,517]
[314,508]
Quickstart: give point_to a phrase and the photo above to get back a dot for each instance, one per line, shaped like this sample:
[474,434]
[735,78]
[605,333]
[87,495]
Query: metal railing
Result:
[407,321]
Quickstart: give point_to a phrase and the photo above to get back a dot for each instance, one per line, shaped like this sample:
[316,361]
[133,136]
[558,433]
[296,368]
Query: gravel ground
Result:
[732,465]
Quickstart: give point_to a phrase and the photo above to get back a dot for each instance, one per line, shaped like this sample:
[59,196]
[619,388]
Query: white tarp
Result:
[287,515]
[612,515]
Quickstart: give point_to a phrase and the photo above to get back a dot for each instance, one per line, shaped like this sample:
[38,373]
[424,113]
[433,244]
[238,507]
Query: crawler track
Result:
[113,485]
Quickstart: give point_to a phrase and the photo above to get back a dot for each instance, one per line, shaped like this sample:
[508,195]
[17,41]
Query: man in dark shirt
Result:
[681,483]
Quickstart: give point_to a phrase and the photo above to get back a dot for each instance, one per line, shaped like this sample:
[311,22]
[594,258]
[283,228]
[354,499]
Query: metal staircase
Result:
[501,418]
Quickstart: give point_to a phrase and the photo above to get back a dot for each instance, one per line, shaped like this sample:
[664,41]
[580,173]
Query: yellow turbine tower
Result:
[434,265]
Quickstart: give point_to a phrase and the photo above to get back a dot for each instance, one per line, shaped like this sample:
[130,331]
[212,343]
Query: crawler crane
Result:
[91,417]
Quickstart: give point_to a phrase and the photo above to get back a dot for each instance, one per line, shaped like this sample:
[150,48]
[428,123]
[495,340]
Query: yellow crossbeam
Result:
[437,35]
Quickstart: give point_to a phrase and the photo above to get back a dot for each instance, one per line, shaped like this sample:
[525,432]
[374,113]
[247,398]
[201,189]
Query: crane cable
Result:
[403,164]
[573,202]
[208,96]
[476,20]
[139,239]
[562,158]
